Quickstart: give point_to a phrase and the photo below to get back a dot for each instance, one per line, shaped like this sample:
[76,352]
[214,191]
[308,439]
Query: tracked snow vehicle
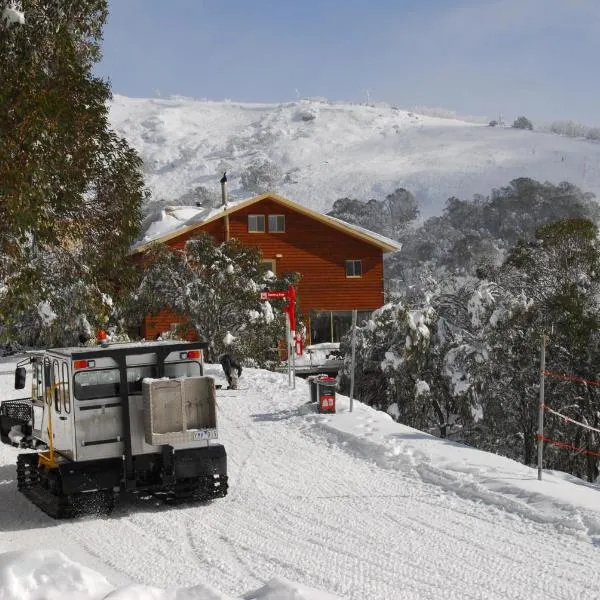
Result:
[136,417]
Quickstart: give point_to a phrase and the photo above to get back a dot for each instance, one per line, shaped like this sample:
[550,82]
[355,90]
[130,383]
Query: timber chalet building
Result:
[341,265]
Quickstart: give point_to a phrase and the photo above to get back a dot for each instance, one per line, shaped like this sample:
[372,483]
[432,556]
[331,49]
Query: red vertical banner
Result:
[291,308]
[291,342]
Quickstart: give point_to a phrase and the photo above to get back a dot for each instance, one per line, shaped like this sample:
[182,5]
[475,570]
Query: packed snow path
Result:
[314,505]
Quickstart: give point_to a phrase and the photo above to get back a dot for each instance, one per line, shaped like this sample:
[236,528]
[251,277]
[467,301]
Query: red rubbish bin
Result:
[326,394]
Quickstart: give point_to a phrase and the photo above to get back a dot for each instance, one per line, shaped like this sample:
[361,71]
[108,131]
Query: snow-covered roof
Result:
[176,221]
[382,238]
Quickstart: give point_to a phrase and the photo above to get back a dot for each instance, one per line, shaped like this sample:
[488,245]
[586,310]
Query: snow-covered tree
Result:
[63,308]
[551,287]
[408,365]
[465,362]
[261,175]
[522,123]
[390,216]
[477,234]
[216,289]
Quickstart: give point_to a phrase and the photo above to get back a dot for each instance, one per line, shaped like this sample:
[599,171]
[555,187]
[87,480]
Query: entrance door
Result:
[58,400]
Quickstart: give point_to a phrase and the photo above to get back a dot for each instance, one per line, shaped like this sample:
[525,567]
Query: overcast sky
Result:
[477,57]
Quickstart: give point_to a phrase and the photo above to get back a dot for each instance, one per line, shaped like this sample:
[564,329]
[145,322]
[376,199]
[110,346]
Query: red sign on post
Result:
[273,295]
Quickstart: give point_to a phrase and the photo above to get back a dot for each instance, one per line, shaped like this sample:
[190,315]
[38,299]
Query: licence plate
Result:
[205,434]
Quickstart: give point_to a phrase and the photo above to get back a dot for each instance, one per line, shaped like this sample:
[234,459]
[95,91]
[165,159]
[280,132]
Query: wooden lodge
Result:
[341,265]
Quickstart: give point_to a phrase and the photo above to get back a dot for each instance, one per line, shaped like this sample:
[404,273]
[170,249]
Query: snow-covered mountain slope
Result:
[352,504]
[329,151]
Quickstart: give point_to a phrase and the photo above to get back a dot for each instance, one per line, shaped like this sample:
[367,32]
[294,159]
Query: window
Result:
[332,326]
[135,376]
[256,223]
[276,223]
[270,265]
[56,386]
[182,369]
[65,386]
[37,391]
[92,385]
[353,268]
[320,327]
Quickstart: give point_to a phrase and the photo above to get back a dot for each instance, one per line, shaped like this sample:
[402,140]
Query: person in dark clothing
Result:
[232,370]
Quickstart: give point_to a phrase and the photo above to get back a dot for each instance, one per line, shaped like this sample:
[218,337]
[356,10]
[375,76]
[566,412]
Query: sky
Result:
[348,505]
[475,57]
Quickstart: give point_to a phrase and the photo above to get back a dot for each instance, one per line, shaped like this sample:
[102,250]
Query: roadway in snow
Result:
[352,504]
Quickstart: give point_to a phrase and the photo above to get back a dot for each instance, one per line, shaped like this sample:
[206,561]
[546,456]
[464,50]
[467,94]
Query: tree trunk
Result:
[528,447]
[442,424]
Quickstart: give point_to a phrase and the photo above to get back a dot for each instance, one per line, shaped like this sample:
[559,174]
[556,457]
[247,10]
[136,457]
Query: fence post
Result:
[353,359]
[288,346]
[541,408]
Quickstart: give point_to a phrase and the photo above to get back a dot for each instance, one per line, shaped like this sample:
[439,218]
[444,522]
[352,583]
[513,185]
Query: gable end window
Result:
[256,223]
[354,268]
[276,223]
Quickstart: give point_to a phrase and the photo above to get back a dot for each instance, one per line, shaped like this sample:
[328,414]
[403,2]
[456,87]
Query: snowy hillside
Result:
[352,505]
[327,151]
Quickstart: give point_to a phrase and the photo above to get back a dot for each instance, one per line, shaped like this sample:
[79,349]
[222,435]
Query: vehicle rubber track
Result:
[199,489]
[55,505]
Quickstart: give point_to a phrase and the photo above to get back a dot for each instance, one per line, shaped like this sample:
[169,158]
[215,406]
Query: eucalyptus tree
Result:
[71,189]
[551,290]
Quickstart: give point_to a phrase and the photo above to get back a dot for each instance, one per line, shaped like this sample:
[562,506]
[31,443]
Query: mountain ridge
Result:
[315,152]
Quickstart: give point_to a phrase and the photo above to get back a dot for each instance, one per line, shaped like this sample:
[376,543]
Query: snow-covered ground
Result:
[350,505]
[328,151]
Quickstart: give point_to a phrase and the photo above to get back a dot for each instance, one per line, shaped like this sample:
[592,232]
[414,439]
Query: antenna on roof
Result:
[224,189]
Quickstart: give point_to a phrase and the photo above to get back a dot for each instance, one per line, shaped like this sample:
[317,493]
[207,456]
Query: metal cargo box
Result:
[179,411]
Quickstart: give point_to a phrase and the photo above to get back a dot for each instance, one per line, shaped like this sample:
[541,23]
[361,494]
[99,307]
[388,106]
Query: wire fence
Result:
[544,408]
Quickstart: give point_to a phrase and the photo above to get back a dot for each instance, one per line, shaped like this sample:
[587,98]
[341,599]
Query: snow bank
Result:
[50,575]
[568,503]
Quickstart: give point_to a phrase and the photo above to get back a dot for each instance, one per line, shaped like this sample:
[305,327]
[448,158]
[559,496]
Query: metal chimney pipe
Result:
[224,199]
[224,189]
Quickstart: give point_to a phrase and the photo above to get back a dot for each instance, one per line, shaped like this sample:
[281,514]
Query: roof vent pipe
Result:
[224,189]
[224,195]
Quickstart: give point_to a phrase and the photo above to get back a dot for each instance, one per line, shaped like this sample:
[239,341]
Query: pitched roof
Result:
[197,218]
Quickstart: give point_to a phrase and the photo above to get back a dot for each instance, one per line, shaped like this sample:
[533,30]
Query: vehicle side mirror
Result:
[20,377]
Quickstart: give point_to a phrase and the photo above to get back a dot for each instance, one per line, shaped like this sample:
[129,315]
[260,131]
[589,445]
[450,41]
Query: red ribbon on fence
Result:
[570,378]
[564,445]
